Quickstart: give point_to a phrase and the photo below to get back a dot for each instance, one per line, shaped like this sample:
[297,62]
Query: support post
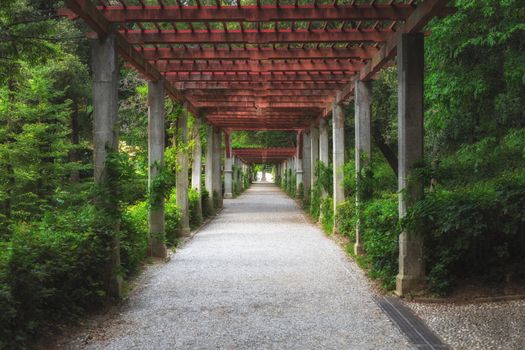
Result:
[228,171]
[410,66]
[105,140]
[338,138]
[363,145]
[196,166]
[323,147]
[182,174]
[156,143]
[323,142]
[307,165]
[217,179]
[299,165]
[314,157]
[208,170]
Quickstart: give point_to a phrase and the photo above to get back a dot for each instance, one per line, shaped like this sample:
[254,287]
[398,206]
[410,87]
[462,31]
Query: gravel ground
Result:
[259,276]
[498,325]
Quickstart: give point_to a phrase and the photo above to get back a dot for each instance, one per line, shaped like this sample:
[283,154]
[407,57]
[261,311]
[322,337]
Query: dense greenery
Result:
[54,239]
[54,234]
[472,218]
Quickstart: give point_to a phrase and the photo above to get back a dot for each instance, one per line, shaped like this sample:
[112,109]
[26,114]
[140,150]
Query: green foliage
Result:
[172,217]
[161,185]
[346,218]
[479,230]
[315,201]
[380,231]
[327,214]
[262,139]
[134,233]
[475,79]
[48,273]
[195,204]
[324,174]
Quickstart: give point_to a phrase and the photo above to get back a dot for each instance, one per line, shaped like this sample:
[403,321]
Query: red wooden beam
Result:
[225,94]
[141,37]
[333,76]
[166,66]
[422,14]
[255,13]
[258,86]
[258,99]
[257,104]
[94,19]
[365,52]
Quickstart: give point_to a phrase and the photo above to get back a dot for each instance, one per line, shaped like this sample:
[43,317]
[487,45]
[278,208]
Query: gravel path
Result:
[484,326]
[259,276]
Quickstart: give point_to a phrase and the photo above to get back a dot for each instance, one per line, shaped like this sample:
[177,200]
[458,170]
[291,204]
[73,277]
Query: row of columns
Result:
[312,147]
[105,140]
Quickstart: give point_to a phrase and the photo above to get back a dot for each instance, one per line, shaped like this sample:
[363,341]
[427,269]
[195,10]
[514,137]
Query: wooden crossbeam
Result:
[118,14]
[213,66]
[88,12]
[334,76]
[292,76]
[141,37]
[255,93]
[261,99]
[422,14]
[261,104]
[365,52]
[211,85]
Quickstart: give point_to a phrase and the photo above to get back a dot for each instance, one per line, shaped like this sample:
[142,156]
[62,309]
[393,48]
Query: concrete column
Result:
[299,164]
[196,166]
[217,155]
[105,139]
[314,154]
[338,158]
[182,174]
[410,66]
[363,142]
[323,141]
[156,143]
[208,170]
[228,169]
[307,165]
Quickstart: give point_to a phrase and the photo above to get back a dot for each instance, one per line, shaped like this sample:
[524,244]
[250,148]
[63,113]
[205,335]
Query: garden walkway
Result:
[259,276]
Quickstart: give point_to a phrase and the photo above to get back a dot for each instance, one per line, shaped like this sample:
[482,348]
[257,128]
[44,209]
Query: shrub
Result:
[173,216]
[49,273]
[315,201]
[345,219]
[475,231]
[327,214]
[380,230]
[134,233]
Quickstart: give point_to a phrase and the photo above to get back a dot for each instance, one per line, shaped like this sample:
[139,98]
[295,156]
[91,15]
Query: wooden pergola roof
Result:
[263,155]
[257,64]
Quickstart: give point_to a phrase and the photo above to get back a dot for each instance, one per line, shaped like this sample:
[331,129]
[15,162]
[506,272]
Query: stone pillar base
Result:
[157,248]
[407,284]
[184,232]
[228,196]
[358,249]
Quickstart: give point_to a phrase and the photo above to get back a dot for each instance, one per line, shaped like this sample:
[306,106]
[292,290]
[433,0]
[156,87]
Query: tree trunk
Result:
[387,152]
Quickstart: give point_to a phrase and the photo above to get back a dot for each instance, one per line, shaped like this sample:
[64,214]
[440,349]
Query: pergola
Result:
[264,155]
[257,64]
[265,65]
